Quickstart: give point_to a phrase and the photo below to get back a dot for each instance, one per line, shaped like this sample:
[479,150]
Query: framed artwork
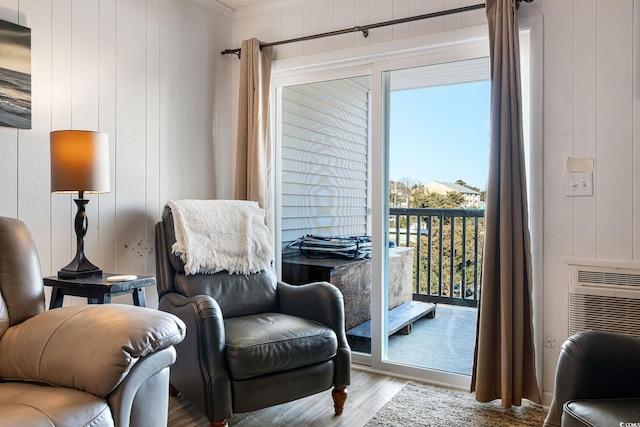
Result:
[15,76]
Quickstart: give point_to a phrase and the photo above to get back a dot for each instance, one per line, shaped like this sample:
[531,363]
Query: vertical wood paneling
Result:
[196,106]
[274,26]
[130,135]
[256,26]
[152,175]
[292,26]
[343,17]
[585,121]
[479,17]
[84,97]
[558,145]
[63,208]
[426,26]
[84,65]
[33,145]
[9,138]
[223,129]
[170,101]
[317,18]
[107,123]
[116,67]
[636,129]
[380,11]
[9,174]
[401,9]
[361,17]
[614,159]
[452,21]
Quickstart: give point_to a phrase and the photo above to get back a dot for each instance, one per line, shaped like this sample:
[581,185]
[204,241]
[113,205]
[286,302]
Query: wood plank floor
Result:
[367,394]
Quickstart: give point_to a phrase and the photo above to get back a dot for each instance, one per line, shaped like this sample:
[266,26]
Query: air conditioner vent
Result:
[605,297]
[608,278]
[604,313]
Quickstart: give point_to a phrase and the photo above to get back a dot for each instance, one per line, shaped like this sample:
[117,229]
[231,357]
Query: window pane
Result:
[438,123]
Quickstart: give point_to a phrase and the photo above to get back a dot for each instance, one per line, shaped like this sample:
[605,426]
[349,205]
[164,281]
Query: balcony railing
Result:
[448,251]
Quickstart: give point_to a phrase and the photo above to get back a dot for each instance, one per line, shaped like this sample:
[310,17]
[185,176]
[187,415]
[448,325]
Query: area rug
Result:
[418,405]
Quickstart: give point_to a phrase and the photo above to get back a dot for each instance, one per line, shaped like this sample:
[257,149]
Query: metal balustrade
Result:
[447,251]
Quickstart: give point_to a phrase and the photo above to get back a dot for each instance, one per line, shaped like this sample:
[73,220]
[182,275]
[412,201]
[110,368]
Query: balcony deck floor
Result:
[444,343]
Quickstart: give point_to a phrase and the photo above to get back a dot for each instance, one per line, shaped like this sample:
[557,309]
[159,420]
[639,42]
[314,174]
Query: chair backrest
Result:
[21,287]
[237,294]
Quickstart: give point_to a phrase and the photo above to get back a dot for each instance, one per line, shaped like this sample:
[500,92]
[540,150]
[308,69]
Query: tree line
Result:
[410,193]
[438,250]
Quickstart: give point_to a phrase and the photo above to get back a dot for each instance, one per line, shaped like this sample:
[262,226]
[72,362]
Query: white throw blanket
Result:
[217,235]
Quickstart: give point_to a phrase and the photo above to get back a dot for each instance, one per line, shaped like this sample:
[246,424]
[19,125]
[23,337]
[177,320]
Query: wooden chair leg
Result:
[173,391]
[339,397]
[221,423]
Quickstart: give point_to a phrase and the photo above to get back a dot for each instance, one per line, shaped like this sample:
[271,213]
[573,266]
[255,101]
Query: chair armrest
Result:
[595,365]
[323,303]
[201,367]
[318,301]
[202,316]
[90,347]
[140,399]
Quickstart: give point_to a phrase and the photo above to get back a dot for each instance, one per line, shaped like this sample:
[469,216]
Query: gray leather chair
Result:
[89,365]
[253,342]
[597,381]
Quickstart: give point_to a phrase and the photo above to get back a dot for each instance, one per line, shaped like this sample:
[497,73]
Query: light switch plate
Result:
[578,184]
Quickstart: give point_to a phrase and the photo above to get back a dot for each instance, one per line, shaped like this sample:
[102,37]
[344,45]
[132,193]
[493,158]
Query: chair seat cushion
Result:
[601,412]
[34,405]
[270,342]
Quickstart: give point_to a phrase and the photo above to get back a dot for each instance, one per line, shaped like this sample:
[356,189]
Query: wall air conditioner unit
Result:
[604,298]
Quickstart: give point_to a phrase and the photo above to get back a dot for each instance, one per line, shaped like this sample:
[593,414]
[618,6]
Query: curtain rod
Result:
[365,28]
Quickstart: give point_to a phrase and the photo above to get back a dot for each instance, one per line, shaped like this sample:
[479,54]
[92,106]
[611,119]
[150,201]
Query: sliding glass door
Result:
[325,192]
[437,142]
[394,151]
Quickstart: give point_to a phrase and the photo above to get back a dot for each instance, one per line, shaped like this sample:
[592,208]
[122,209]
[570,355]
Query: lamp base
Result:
[79,267]
[67,274]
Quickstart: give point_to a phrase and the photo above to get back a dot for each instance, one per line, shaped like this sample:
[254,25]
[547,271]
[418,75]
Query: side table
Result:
[97,290]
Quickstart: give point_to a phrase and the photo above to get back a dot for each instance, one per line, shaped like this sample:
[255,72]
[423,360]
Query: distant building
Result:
[471,197]
[399,198]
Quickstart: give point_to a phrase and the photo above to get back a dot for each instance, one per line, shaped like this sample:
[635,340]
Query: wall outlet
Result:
[578,184]
[550,343]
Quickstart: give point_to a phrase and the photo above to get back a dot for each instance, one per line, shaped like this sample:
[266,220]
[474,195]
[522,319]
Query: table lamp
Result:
[79,163]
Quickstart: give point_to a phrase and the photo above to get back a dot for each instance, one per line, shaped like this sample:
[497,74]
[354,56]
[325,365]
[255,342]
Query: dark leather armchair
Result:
[253,342]
[86,365]
[597,381]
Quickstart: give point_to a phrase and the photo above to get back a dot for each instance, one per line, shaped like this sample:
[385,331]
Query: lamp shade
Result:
[79,162]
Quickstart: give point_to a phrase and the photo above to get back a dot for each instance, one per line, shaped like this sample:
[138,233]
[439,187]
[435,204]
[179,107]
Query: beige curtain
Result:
[504,362]
[252,153]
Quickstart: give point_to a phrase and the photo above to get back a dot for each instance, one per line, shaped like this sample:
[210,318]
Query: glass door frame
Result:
[449,46]
[380,215]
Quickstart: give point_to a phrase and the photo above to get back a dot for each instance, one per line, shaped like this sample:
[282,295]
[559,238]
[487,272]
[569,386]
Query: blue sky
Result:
[440,133]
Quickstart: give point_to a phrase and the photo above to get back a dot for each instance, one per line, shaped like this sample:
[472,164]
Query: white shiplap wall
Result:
[148,73]
[589,107]
[325,159]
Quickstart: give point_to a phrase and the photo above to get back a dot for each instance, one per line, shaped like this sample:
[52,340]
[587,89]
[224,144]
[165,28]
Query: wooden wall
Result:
[590,94]
[149,74]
